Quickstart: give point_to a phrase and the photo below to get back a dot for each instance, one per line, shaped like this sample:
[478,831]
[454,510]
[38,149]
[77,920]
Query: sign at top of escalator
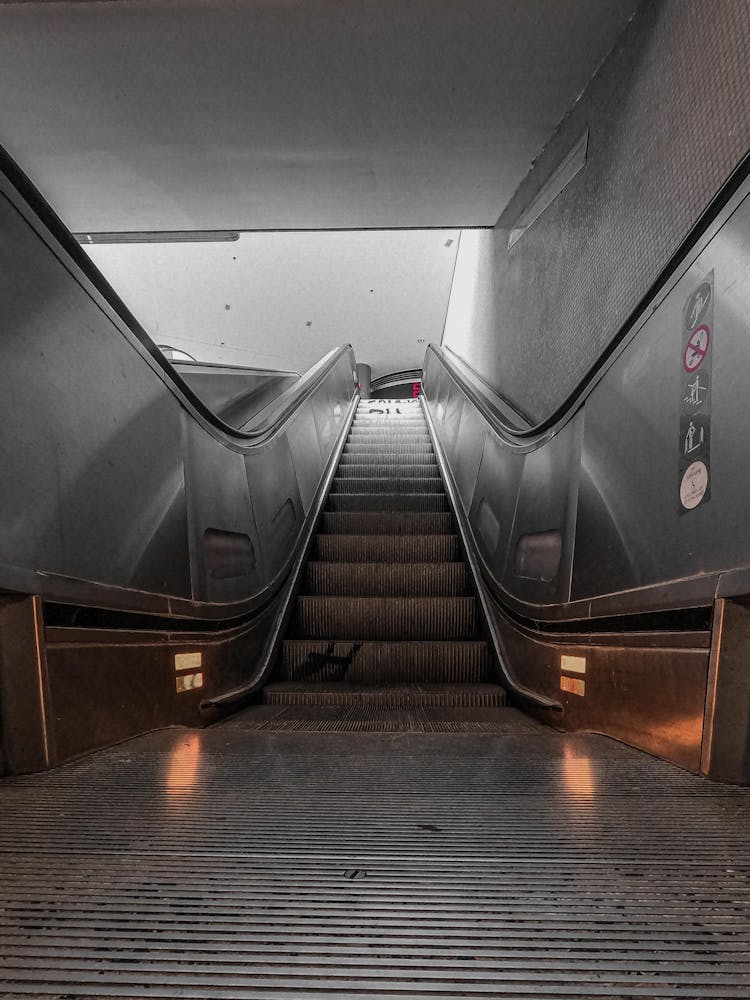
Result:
[697,305]
[696,348]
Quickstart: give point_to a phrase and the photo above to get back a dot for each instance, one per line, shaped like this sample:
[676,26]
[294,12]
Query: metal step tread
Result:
[378,522]
[386,580]
[387,485]
[386,432]
[398,459]
[391,618]
[394,421]
[387,548]
[386,458]
[385,662]
[377,448]
[394,502]
[402,471]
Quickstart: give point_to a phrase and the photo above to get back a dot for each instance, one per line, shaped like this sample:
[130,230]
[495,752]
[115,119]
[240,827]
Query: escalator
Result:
[386,631]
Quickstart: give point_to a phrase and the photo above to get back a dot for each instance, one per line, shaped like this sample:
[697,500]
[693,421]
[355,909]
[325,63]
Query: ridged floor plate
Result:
[390,696]
[376,719]
[241,864]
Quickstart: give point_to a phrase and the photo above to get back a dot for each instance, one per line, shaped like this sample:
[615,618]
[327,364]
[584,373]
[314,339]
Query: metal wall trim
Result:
[711,686]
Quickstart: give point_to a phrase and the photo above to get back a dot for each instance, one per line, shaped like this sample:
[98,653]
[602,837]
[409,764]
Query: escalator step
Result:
[386,662]
[402,448]
[386,523]
[403,471]
[388,501]
[393,696]
[394,421]
[388,439]
[387,485]
[391,618]
[387,548]
[388,429]
[378,580]
[385,458]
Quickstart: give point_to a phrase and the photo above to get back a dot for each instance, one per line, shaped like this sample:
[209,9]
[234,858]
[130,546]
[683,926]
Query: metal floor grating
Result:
[377,719]
[236,863]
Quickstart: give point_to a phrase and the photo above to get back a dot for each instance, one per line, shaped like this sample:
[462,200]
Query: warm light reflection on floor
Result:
[578,773]
[182,772]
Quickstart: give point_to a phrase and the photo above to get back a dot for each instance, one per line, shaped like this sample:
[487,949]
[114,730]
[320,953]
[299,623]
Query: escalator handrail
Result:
[510,423]
[35,209]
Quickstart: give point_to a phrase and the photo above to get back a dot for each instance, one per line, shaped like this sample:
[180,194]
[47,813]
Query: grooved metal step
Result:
[378,580]
[385,662]
[387,501]
[388,440]
[387,485]
[391,696]
[382,427]
[402,471]
[386,458]
[401,448]
[389,422]
[387,548]
[386,523]
[386,617]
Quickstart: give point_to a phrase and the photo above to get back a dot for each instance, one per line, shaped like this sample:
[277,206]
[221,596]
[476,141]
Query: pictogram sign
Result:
[697,348]
[694,462]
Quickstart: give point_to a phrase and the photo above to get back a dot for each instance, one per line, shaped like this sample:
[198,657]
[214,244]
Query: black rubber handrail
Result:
[492,405]
[289,401]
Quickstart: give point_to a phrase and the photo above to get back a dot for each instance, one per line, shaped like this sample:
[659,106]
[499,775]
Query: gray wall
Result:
[669,119]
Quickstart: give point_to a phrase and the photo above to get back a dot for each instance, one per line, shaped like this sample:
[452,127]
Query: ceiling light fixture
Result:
[198,236]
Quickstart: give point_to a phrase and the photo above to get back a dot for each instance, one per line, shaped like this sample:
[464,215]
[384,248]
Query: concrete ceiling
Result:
[136,115]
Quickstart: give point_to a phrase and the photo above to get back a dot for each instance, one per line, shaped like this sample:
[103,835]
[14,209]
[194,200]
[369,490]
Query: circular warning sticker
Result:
[694,485]
[697,347]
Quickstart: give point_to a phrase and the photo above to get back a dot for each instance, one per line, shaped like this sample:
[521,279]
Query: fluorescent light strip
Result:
[199,236]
